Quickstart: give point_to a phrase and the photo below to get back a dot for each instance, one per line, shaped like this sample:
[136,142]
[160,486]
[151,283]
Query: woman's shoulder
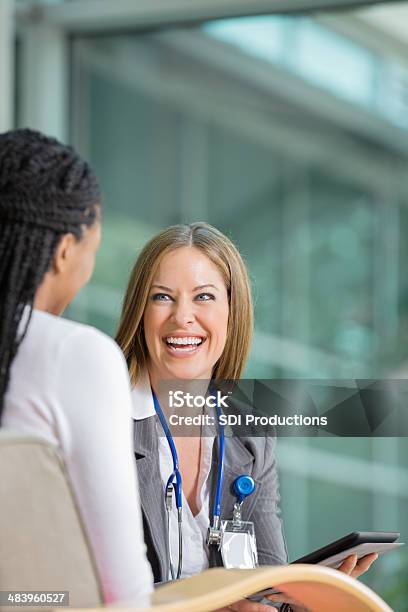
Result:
[70,349]
[59,333]
[88,368]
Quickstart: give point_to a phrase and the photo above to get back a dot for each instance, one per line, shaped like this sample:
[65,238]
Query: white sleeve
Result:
[95,429]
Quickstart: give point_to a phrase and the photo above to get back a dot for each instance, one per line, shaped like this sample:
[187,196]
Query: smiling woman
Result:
[187,315]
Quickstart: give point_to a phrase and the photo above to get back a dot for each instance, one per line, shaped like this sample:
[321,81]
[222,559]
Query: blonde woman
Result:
[188,315]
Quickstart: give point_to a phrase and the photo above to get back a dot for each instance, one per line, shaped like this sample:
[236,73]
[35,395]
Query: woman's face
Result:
[186,317]
[72,267]
[82,259]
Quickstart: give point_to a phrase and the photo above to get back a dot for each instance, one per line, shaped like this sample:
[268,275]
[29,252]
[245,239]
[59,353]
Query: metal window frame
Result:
[6,64]
[45,29]
[101,15]
[43,79]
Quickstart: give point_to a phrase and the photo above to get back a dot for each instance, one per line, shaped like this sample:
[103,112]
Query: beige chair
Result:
[44,546]
[42,541]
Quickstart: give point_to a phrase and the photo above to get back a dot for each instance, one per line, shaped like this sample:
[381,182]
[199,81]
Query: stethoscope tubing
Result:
[175,480]
[176,470]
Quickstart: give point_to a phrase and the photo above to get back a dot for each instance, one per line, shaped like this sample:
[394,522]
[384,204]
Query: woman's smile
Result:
[181,345]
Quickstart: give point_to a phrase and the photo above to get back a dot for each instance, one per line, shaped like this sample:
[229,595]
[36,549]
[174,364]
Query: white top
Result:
[69,385]
[195,549]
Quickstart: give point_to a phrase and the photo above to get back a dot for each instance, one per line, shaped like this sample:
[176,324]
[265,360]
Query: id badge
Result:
[238,545]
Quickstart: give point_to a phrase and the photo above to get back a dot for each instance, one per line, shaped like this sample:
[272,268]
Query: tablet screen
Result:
[350,541]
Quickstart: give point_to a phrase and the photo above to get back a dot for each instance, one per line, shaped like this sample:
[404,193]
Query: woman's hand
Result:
[354,567]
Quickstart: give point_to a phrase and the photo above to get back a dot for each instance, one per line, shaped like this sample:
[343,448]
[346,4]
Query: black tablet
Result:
[359,542]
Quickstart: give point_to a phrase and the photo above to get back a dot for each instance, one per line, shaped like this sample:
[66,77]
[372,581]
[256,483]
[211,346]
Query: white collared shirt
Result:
[195,549]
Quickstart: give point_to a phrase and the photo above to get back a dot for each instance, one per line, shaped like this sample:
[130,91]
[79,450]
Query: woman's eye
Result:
[161,297]
[204,297]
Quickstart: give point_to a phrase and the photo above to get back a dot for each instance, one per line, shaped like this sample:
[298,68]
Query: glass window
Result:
[291,136]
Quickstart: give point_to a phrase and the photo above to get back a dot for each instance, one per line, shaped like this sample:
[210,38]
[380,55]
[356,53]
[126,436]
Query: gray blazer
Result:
[254,456]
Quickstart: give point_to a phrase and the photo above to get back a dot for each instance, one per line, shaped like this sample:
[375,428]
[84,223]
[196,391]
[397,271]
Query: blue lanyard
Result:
[175,477]
[220,475]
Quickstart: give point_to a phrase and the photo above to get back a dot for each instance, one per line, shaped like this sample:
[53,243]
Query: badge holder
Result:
[238,542]
[236,538]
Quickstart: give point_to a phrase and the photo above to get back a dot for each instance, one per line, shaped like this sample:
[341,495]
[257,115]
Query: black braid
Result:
[46,191]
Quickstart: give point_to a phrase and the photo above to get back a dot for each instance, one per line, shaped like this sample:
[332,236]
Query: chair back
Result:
[42,540]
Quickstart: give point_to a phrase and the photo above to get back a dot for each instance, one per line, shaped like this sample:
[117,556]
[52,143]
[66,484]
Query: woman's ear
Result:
[63,253]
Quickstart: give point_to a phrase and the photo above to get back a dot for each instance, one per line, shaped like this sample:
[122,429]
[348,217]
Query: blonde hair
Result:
[222,252]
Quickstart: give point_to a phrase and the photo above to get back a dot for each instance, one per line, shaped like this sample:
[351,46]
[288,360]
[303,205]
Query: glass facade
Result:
[292,138]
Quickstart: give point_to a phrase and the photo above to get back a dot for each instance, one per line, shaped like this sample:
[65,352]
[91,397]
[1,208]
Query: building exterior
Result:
[289,132]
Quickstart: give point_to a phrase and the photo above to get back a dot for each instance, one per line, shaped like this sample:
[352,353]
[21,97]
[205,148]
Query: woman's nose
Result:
[183,313]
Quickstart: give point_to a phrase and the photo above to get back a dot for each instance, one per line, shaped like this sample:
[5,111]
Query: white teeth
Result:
[184,341]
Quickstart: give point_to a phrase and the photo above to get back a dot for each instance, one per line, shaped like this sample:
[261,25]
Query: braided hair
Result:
[46,191]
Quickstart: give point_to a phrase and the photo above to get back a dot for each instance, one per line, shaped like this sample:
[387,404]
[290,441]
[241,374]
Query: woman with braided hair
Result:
[60,380]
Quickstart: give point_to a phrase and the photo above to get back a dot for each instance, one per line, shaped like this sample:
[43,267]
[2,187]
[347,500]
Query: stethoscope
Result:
[243,486]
